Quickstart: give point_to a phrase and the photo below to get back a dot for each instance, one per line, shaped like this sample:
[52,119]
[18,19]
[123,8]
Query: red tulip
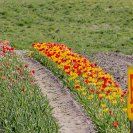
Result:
[115,124]
[33,71]
[26,66]
[23,89]
[111,112]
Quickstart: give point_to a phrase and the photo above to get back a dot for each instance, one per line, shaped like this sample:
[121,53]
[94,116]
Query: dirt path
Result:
[115,64]
[70,115]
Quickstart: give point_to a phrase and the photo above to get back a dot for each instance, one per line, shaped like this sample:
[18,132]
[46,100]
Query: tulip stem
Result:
[131,126]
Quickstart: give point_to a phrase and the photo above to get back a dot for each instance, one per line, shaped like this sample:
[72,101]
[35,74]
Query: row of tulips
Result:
[23,108]
[101,96]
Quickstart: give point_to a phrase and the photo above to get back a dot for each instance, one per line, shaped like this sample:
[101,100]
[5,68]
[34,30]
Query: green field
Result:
[84,25]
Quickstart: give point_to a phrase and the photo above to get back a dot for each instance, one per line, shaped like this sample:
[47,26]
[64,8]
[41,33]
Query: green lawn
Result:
[89,25]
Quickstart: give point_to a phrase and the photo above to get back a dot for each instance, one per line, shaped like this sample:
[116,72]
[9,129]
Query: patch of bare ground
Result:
[116,64]
[69,114]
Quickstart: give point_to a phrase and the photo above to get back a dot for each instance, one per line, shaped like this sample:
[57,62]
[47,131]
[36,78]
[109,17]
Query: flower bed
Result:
[101,96]
[23,108]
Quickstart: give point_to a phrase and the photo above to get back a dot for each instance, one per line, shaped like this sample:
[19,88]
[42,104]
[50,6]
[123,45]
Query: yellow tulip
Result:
[114,102]
[84,93]
[105,110]
[90,97]
[124,109]
[103,105]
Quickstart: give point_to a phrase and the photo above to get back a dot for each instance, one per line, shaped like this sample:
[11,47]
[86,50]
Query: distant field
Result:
[84,25]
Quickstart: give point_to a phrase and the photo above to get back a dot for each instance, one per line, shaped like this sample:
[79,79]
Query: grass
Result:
[88,25]
[23,108]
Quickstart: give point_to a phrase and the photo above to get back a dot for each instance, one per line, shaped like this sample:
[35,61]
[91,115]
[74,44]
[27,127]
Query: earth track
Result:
[69,114]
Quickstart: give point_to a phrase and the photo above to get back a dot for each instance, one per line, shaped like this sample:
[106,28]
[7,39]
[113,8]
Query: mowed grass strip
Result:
[23,108]
[88,25]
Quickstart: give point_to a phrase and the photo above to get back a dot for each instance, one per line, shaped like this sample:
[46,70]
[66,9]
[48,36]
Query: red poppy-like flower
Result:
[115,124]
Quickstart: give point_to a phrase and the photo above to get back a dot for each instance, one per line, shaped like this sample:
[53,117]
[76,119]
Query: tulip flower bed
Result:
[101,96]
[23,108]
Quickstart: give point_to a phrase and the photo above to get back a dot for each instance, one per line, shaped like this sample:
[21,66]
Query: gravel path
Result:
[67,111]
[115,64]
